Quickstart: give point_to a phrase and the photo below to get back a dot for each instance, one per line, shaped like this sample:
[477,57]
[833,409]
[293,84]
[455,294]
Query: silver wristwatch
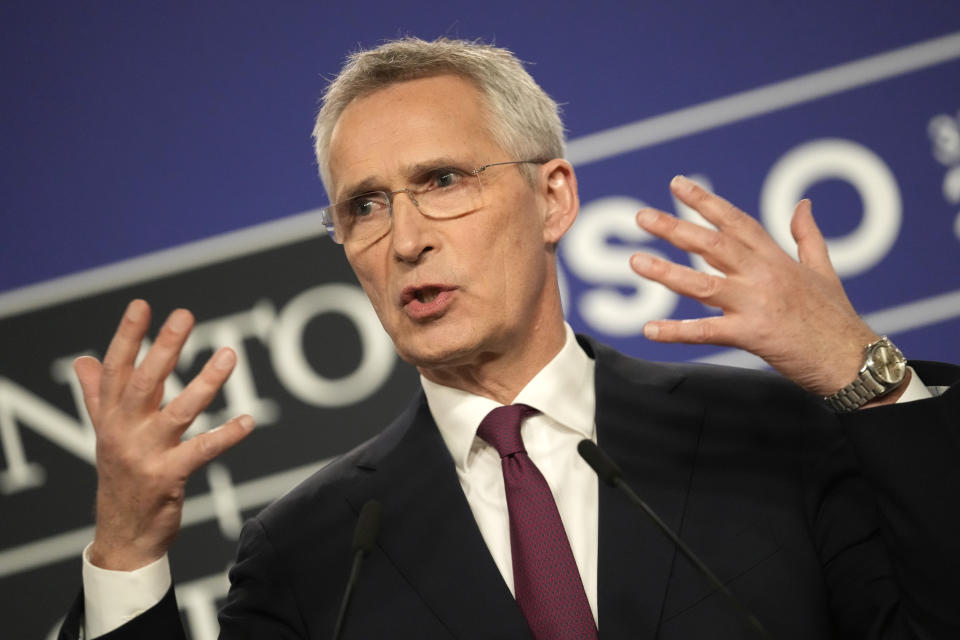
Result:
[884,369]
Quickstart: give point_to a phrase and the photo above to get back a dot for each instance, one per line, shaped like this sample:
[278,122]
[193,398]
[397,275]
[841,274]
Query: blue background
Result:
[131,127]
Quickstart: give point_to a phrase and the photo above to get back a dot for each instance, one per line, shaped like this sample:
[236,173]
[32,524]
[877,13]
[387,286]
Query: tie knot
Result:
[501,428]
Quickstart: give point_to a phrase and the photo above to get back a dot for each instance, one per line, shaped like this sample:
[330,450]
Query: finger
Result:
[811,247]
[700,286]
[204,447]
[699,331]
[145,389]
[183,410]
[715,247]
[721,213]
[122,352]
[88,372]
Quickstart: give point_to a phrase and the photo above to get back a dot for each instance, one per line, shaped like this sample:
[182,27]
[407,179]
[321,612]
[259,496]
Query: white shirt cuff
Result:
[112,598]
[915,390]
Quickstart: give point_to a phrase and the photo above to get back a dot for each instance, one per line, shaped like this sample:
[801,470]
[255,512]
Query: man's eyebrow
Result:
[409,172]
[364,186]
[419,168]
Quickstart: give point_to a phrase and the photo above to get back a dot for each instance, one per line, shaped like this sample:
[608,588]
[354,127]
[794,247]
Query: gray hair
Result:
[523,119]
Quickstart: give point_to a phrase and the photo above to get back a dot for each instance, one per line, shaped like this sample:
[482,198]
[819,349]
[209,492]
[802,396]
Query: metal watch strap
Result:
[864,388]
[856,394]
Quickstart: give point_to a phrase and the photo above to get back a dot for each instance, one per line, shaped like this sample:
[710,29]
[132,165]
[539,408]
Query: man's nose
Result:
[411,231]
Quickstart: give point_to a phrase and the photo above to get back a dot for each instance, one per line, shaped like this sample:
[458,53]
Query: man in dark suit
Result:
[444,164]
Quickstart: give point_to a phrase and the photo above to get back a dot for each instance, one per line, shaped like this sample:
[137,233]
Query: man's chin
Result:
[434,357]
[437,351]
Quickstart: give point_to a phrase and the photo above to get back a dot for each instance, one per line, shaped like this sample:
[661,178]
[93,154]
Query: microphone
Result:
[608,471]
[364,537]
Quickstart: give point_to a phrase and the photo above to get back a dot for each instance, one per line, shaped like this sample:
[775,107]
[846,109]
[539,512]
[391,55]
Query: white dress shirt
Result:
[563,393]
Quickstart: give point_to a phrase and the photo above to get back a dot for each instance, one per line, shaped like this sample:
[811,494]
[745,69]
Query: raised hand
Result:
[142,464]
[793,314]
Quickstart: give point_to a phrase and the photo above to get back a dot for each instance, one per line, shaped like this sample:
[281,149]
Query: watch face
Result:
[888,364]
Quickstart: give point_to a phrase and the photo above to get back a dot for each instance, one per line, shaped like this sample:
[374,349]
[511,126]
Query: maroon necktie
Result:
[545,576]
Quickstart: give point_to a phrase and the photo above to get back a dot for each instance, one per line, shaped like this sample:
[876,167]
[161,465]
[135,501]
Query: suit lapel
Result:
[429,533]
[653,436]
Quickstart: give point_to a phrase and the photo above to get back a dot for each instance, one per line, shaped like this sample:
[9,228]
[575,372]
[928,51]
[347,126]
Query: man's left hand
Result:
[793,314]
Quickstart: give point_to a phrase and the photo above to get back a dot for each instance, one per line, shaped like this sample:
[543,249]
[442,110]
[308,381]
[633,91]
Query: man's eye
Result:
[362,207]
[446,178]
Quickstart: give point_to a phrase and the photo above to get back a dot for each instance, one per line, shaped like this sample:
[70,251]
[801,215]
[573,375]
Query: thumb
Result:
[811,247]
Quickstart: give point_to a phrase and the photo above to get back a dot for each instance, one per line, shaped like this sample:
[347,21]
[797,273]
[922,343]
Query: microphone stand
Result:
[609,472]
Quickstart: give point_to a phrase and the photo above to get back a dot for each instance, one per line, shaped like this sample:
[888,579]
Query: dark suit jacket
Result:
[823,527]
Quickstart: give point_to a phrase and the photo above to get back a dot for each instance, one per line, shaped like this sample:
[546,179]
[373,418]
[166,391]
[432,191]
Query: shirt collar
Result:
[562,390]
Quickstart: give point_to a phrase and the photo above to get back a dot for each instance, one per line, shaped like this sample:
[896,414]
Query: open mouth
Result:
[426,294]
[426,300]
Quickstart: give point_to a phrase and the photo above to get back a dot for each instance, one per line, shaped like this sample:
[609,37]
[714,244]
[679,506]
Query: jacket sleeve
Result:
[259,604]
[910,456]
[160,622]
[886,520]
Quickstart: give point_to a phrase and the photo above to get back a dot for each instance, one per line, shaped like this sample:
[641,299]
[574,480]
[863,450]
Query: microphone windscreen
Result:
[368,525]
[606,469]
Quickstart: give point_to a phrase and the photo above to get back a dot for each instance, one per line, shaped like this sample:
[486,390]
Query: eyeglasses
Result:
[443,192]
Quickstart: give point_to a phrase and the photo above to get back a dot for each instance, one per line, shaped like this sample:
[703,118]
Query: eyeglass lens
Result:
[448,194]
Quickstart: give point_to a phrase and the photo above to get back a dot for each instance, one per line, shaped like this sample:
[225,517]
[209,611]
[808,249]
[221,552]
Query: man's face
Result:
[449,292]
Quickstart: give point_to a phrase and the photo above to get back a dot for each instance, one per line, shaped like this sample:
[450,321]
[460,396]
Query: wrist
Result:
[846,361]
[120,557]
[883,372]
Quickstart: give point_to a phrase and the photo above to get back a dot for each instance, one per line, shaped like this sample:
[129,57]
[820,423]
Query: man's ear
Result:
[559,191]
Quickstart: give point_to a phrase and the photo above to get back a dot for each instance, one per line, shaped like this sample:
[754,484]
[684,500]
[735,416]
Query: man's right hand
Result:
[142,464]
